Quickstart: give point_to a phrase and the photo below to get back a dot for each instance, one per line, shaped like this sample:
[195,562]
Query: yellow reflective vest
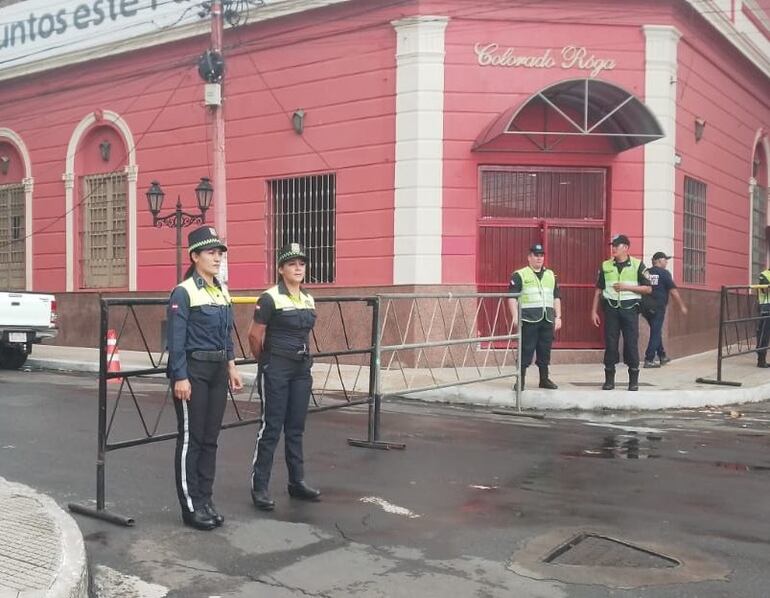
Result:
[536,297]
[628,275]
[763,295]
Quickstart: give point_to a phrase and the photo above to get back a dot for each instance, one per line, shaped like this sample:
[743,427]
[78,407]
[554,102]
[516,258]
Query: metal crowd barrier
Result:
[411,343]
[739,324]
[333,334]
[433,341]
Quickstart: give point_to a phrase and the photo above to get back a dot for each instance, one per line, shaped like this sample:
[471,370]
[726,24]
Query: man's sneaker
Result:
[664,360]
[651,364]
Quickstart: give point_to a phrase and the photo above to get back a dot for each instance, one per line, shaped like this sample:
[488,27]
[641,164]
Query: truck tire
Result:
[12,358]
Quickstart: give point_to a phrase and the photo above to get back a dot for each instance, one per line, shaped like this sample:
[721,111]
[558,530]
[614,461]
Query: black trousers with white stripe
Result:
[284,386]
[198,423]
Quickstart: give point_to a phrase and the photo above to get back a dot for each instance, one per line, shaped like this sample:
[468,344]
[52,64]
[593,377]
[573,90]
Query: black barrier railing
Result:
[106,420]
[744,328]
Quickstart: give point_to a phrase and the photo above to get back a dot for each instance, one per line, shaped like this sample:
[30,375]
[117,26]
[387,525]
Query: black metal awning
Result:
[576,108]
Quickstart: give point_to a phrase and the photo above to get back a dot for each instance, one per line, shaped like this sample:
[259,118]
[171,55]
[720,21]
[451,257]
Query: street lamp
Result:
[178,219]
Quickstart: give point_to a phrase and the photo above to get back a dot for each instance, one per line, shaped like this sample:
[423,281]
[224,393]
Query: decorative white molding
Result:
[659,155]
[28,182]
[761,138]
[418,201]
[100,118]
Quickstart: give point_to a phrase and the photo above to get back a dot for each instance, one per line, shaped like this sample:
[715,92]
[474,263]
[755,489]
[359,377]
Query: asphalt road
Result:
[465,510]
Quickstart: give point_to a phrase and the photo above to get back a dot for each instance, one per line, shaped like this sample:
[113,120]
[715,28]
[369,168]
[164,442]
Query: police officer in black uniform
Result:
[279,339]
[201,364]
[620,285]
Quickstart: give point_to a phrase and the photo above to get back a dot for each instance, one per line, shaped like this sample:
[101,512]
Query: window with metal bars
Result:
[694,231]
[103,233]
[12,238]
[759,232]
[303,210]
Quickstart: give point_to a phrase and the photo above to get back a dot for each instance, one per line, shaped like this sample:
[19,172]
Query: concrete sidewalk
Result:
[42,553]
[670,387]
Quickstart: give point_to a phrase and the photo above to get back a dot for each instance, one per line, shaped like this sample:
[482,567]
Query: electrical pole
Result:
[218,142]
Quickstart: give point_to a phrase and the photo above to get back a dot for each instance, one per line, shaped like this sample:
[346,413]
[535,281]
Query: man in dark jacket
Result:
[663,285]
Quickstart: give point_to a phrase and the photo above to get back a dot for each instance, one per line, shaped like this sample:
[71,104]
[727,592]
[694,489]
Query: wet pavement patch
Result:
[622,446]
[600,551]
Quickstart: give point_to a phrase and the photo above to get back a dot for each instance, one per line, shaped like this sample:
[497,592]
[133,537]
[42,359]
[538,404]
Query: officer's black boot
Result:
[762,360]
[302,491]
[261,499]
[609,379]
[633,379]
[199,519]
[545,382]
[213,513]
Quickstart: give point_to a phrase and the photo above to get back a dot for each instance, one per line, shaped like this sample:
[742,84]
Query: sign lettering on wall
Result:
[569,57]
[36,30]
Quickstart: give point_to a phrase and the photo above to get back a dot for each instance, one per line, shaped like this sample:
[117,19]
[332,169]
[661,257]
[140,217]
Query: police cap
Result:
[291,251]
[204,237]
[620,240]
[537,249]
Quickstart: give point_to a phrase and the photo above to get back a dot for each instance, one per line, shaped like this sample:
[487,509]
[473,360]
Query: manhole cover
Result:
[593,550]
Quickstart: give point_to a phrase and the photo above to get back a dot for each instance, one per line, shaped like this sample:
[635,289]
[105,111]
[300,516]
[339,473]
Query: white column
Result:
[29,185]
[69,220]
[132,174]
[419,149]
[659,165]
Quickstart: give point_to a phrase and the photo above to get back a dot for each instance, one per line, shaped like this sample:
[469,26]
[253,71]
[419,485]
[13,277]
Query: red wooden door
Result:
[565,210]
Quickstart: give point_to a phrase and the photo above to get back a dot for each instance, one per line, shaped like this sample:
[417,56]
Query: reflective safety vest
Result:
[628,275]
[536,297]
[201,296]
[290,324]
[763,295]
[282,301]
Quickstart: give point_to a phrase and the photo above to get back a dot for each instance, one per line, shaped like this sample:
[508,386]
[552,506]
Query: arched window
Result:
[100,200]
[15,187]
[103,225]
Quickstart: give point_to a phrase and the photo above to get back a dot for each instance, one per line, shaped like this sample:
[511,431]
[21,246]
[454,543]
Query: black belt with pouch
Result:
[215,356]
[297,355]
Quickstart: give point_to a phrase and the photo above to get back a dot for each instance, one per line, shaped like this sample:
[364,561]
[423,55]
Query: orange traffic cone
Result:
[113,355]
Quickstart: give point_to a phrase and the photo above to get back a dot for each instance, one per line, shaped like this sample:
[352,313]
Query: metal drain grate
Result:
[593,550]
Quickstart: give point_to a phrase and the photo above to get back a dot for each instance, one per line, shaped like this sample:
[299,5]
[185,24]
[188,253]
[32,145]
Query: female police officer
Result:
[201,364]
[278,338]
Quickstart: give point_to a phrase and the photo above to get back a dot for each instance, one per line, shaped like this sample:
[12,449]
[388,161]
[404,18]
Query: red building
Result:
[410,144]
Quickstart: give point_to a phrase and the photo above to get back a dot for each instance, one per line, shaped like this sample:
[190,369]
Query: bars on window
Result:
[303,210]
[12,237]
[694,231]
[532,192]
[103,231]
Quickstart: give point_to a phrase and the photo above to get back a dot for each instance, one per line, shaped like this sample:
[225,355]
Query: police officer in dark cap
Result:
[201,364]
[538,293]
[620,285]
[279,340]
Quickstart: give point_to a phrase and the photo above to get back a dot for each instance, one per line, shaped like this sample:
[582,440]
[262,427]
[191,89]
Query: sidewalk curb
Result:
[71,579]
[498,396]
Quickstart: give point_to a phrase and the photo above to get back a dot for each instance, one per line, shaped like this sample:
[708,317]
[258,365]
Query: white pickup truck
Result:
[25,319]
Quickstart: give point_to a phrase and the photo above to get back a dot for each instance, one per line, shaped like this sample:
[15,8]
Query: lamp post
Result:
[178,219]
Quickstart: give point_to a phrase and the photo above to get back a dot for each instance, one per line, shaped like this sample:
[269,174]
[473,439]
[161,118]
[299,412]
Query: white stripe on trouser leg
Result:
[261,393]
[185,444]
